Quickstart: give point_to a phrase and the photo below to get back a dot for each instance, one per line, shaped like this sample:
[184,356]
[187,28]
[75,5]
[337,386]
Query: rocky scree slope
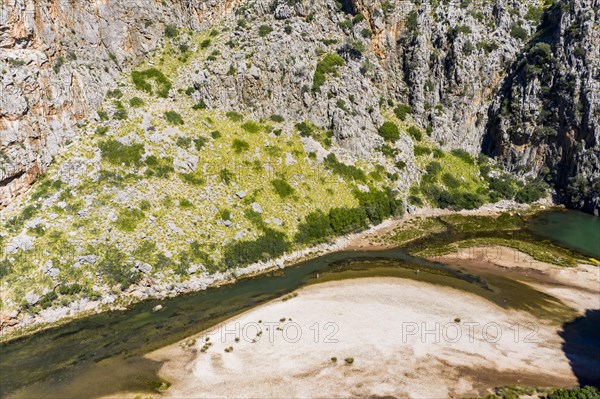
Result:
[58,59]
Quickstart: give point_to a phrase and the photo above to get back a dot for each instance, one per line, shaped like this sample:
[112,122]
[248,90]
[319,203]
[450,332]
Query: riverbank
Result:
[14,325]
[366,337]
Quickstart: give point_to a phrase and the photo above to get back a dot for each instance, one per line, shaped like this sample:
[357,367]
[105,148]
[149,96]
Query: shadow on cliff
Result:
[582,347]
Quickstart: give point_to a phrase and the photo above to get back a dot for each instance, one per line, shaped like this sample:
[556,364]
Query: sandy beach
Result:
[402,338]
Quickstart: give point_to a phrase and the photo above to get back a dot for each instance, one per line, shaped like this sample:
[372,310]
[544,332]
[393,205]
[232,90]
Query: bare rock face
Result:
[59,58]
[546,117]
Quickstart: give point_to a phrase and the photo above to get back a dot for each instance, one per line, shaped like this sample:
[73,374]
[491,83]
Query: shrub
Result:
[140,81]
[503,186]
[379,205]
[215,134]
[102,130]
[171,31]
[128,219]
[282,187]
[225,175]
[421,150]
[277,118]
[586,392]
[315,228]
[136,102]
[450,181]
[234,116]
[346,171]
[116,93]
[349,360]
[518,32]
[328,65]
[532,190]
[402,110]
[415,132]
[305,129]
[251,127]
[199,105]
[183,142]
[117,153]
[173,118]
[433,168]
[347,220]
[112,268]
[159,167]
[389,131]
[271,244]
[240,146]
[534,13]
[264,30]
[464,155]
[200,142]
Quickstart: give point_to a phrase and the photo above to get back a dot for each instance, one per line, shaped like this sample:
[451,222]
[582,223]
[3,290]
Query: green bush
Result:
[305,129]
[518,32]
[136,102]
[421,150]
[199,105]
[234,116]
[225,175]
[114,270]
[117,153]
[586,392]
[346,171]
[215,134]
[251,127]
[282,187]
[102,130]
[240,146]
[379,204]
[128,219]
[159,167]
[450,181]
[464,155]
[171,31]
[264,30]
[389,131]
[173,118]
[532,191]
[270,245]
[200,142]
[402,110]
[347,220]
[277,118]
[183,142]
[140,80]
[415,132]
[328,65]
[116,93]
[315,229]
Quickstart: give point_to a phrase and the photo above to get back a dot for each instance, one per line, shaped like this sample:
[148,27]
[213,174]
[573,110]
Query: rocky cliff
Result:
[545,119]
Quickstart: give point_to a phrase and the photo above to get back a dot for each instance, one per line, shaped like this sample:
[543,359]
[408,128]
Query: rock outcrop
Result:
[546,118]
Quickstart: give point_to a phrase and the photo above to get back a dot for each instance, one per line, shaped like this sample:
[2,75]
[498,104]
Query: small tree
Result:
[389,131]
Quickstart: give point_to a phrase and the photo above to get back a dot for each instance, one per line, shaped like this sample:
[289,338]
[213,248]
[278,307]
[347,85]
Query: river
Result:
[103,354]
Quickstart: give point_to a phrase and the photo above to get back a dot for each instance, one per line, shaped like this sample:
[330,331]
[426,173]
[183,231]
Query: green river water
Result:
[103,354]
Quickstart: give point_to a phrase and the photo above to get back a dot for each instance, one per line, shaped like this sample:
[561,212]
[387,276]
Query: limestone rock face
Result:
[456,64]
[546,117]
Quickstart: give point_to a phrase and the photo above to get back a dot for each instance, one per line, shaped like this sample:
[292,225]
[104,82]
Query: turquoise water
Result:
[576,230]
